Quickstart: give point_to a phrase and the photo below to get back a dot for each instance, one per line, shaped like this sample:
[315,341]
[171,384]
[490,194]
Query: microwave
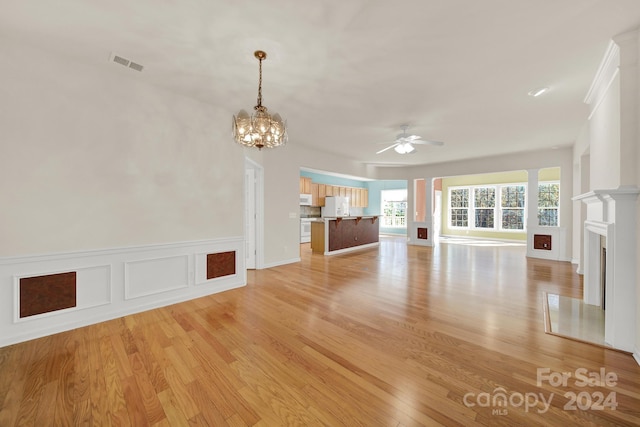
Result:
[305,200]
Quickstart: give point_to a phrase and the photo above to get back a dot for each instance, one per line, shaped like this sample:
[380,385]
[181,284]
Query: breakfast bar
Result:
[330,236]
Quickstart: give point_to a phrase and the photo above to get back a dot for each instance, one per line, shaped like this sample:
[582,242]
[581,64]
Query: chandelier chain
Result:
[259,86]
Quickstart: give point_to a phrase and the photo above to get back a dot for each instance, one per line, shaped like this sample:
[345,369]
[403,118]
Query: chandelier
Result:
[261,129]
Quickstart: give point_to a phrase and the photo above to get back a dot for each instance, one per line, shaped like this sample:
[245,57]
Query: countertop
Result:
[333,218]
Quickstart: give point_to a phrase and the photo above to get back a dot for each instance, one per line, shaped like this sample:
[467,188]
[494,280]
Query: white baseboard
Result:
[636,355]
[115,282]
[420,242]
[282,262]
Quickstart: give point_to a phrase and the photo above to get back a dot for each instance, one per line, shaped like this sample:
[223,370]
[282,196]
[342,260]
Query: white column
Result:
[411,209]
[532,199]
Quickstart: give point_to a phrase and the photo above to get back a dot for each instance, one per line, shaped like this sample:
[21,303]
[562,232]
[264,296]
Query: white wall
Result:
[581,173]
[93,157]
[604,128]
[129,185]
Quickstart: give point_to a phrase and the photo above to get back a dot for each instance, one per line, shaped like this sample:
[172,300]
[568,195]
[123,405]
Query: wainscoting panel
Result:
[547,243]
[94,286]
[215,266]
[92,289]
[112,283]
[152,276]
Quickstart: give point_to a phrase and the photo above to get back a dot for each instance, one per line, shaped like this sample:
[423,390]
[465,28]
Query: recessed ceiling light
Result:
[539,91]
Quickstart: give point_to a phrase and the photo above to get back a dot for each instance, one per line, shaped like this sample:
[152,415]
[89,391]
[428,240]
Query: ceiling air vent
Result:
[125,62]
[135,66]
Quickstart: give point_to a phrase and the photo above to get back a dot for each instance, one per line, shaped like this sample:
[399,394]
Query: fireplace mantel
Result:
[612,214]
[597,201]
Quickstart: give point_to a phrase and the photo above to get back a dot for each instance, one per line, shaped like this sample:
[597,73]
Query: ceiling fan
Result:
[404,143]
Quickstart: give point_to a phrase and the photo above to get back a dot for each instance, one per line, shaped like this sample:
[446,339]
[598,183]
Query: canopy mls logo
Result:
[500,400]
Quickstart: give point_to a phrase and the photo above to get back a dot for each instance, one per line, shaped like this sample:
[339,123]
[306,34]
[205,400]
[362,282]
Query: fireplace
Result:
[610,261]
[603,272]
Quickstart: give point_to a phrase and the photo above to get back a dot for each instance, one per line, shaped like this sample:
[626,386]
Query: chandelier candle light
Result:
[260,129]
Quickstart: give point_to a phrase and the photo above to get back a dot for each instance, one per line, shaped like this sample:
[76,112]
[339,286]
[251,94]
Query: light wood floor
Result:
[392,336]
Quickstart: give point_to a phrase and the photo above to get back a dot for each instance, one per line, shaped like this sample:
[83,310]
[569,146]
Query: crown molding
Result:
[607,71]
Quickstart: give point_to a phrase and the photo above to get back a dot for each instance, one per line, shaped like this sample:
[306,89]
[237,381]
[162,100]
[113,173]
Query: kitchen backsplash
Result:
[309,211]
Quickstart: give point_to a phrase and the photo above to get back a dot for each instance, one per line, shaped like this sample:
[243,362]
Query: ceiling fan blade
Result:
[426,142]
[388,148]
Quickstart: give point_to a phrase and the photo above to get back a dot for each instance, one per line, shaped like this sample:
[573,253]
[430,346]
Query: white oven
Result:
[305,230]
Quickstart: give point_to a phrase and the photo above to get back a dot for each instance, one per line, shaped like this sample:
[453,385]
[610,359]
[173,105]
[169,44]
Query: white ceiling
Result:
[347,74]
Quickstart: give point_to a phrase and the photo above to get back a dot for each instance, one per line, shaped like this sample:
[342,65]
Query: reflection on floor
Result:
[469,241]
[572,318]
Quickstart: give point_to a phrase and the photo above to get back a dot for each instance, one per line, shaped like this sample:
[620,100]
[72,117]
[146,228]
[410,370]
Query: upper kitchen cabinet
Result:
[322,193]
[315,195]
[358,197]
[305,185]
[364,197]
[355,197]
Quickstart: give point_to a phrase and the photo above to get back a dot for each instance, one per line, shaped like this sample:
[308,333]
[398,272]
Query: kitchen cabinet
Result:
[358,197]
[362,197]
[315,201]
[322,193]
[305,185]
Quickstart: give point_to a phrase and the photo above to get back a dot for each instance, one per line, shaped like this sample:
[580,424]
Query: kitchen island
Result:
[330,236]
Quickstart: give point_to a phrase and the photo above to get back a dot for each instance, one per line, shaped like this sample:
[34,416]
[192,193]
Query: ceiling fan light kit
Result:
[405,148]
[404,143]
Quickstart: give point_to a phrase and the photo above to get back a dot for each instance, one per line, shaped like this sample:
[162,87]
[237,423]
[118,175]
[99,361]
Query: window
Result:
[480,204]
[512,198]
[484,206]
[548,204]
[459,207]
[394,208]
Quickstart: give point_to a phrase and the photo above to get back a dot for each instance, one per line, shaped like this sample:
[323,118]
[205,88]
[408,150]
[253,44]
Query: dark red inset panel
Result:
[542,241]
[221,264]
[422,233]
[43,294]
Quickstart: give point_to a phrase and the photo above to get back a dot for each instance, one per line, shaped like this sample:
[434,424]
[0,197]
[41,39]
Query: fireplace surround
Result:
[612,214]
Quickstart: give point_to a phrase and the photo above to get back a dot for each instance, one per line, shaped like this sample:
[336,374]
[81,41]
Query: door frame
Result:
[258,203]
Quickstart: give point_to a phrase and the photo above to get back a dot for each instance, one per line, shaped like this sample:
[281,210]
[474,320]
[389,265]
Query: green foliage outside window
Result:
[512,203]
[548,204]
[485,201]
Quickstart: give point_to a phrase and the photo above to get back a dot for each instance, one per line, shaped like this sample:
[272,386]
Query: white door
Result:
[250,217]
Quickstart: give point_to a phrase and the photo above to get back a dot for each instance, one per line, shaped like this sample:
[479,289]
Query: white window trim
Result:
[556,208]
[497,209]
[383,217]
